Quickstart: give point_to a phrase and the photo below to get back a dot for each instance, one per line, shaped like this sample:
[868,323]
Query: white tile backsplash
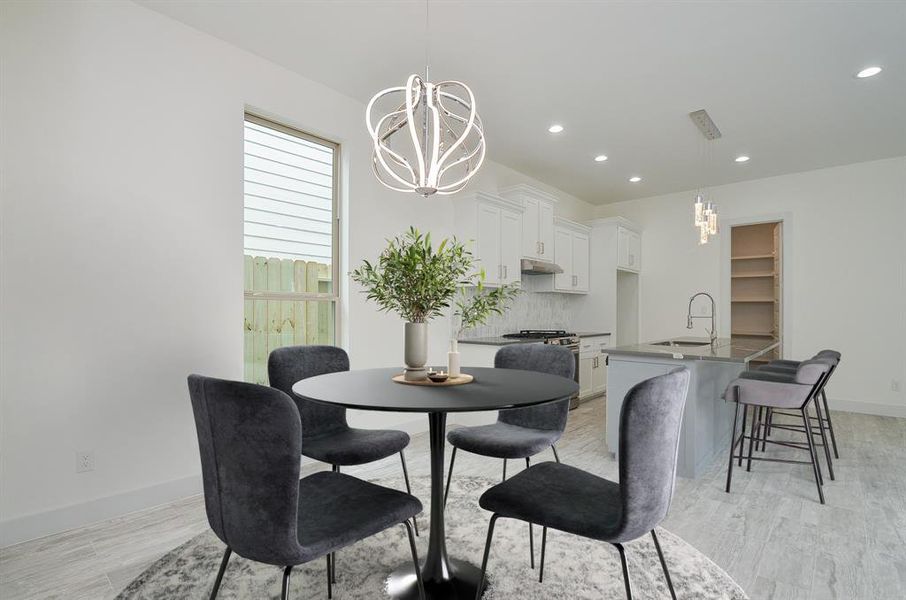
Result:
[530,310]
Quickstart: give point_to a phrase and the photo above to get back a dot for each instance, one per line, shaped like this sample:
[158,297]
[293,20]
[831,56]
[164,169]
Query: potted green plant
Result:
[418,281]
[475,308]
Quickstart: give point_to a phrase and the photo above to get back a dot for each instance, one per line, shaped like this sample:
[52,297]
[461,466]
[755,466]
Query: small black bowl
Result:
[438,377]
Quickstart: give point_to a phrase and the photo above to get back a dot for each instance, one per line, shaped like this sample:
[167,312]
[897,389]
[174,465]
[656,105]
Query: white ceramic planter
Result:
[416,352]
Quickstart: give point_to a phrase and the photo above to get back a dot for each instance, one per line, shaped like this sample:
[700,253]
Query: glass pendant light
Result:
[712,222]
[699,210]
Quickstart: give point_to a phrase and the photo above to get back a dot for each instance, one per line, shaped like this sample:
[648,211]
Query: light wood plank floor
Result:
[770,533]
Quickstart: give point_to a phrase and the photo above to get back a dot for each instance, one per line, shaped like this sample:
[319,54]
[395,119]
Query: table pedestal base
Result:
[461,584]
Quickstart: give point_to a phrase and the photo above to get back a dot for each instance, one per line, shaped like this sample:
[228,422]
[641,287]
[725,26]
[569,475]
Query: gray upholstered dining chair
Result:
[568,499]
[763,392]
[520,432]
[328,437]
[250,438]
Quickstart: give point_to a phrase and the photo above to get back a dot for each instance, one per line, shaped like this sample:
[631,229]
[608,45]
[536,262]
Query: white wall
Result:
[845,258]
[121,243]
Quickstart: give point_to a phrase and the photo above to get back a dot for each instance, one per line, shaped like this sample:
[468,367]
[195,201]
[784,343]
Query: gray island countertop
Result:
[737,349]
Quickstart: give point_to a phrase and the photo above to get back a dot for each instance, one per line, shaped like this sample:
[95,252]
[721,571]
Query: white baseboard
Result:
[58,520]
[868,408]
[36,525]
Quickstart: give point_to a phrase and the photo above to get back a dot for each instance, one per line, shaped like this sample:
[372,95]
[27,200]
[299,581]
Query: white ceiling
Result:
[776,77]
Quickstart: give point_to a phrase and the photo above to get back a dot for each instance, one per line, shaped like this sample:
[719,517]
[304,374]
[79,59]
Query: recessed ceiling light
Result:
[600,158]
[635,179]
[742,158]
[868,72]
[555,128]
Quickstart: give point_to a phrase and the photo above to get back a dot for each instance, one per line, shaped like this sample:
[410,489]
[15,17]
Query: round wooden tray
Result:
[462,379]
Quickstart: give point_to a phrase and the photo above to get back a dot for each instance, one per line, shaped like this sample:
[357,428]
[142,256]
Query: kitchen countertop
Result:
[738,349]
[499,341]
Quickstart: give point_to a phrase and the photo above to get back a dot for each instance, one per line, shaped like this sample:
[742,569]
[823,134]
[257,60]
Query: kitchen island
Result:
[707,419]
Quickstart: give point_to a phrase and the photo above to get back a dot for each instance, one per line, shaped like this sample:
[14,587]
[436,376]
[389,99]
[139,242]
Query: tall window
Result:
[290,241]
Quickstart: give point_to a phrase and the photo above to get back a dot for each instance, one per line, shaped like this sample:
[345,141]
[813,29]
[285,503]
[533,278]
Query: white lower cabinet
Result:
[586,374]
[599,375]
[593,365]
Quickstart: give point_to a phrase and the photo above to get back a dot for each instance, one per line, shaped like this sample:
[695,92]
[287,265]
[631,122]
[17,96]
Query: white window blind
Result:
[290,194]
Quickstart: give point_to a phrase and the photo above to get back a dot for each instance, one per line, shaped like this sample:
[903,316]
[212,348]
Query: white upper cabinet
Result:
[571,253]
[546,231]
[629,250]
[510,246]
[494,225]
[581,261]
[537,220]
[563,254]
[531,217]
[487,243]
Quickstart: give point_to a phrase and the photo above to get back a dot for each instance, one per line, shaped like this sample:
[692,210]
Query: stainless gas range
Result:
[556,337]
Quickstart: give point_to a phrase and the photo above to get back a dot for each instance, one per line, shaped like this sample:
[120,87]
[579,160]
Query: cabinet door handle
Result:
[499,272]
[505,275]
[542,247]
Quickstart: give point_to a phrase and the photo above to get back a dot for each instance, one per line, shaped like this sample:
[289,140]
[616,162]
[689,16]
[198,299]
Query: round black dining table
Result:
[493,389]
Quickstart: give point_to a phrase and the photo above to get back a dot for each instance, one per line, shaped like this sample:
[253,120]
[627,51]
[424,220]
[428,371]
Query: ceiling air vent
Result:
[703,121]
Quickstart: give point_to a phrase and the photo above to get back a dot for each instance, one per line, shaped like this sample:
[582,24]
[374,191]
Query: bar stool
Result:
[789,367]
[763,391]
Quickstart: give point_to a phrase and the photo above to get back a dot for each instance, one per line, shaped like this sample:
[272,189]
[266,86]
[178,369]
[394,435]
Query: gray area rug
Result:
[575,568]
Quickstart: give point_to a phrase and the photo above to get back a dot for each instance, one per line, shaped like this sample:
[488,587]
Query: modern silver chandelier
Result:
[428,137]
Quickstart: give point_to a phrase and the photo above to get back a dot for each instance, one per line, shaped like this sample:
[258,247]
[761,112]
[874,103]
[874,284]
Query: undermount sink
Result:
[680,344]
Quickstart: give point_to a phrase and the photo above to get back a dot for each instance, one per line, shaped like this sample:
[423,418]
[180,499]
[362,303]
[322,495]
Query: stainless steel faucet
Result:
[712,334]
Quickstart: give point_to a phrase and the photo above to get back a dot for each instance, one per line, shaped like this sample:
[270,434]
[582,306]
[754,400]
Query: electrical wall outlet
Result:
[894,385]
[84,462]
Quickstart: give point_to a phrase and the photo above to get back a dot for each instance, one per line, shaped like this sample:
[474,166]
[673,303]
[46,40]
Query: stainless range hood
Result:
[537,267]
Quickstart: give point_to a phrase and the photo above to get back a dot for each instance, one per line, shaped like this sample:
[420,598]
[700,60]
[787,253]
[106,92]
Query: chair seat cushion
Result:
[354,446]
[502,440]
[560,497]
[336,510]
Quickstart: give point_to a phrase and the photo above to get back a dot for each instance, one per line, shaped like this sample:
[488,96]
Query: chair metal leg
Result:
[660,554]
[504,469]
[811,434]
[742,446]
[450,475]
[556,456]
[830,425]
[333,567]
[223,566]
[543,549]
[766,429]
[335,468]
[811,448]
[625,570]
[285,593]
[408,487]
[531,532]
[487,552]
[329,577]
[733,446]
[418,570]
[827,454]
[756,423]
